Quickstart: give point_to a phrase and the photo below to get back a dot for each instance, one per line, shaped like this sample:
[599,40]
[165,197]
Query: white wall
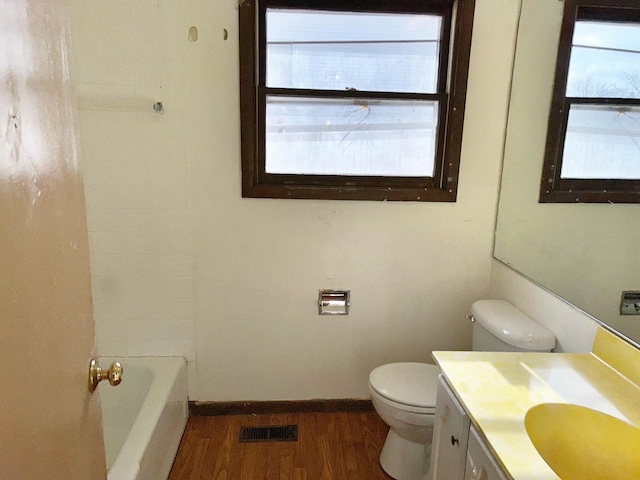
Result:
[127,54]
[413,269]
[189,267]
[574,329]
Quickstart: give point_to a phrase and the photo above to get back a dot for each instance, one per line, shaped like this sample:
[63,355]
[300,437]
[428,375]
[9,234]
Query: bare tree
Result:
[632,79]
[588,87]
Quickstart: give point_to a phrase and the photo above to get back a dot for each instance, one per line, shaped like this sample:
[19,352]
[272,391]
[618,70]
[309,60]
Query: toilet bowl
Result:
[404,394]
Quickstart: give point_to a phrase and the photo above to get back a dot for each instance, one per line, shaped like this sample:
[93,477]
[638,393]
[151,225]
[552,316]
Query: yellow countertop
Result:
[497,389]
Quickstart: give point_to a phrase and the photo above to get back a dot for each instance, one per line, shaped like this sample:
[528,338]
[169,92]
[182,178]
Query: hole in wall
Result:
[193,34]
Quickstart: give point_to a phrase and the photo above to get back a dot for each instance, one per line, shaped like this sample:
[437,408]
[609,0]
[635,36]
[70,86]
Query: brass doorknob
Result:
[97,374]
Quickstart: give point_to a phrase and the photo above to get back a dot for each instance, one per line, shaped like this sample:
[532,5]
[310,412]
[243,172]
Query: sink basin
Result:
[579,443]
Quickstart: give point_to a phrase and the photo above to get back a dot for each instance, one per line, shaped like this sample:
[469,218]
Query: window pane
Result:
[350,137]
[602,142]
[365,51]
[605,60]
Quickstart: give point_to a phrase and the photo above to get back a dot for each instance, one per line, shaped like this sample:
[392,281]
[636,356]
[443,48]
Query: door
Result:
[50,426]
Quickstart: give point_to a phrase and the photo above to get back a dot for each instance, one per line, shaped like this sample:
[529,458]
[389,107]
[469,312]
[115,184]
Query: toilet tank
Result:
[501,327]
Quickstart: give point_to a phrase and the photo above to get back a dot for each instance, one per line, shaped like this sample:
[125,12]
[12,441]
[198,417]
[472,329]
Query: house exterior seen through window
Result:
[346,101]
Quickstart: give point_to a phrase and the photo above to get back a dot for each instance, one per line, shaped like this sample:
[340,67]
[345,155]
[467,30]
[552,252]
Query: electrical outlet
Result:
[630,303]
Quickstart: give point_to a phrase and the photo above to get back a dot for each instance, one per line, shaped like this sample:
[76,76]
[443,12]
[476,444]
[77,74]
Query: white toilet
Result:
[404,394]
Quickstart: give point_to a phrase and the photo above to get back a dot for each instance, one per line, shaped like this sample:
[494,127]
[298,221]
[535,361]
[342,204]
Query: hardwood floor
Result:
[330,446]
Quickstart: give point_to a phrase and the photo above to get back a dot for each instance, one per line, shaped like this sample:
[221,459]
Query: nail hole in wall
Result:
[193,34]
[225,34]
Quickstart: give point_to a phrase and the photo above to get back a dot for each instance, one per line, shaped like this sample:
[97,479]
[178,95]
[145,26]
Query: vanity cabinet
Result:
[450,436]
[480,464]
[458,452]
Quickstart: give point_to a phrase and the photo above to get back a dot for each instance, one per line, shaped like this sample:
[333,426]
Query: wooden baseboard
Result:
[212,409]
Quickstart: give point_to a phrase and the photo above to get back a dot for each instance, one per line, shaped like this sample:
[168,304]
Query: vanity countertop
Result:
[498,388]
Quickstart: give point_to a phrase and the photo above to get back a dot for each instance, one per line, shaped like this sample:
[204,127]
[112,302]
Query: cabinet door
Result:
[450,437]
[480,463]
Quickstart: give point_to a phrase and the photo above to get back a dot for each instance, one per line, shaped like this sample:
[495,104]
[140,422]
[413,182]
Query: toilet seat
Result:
[409,386]
[400,407]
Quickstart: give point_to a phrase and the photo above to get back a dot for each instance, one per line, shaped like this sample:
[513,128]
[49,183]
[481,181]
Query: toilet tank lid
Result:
[512,326]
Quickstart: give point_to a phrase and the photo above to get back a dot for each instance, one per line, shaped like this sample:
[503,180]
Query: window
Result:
[593,141]
[345,99]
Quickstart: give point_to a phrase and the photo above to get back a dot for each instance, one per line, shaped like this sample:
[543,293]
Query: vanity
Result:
[483,398]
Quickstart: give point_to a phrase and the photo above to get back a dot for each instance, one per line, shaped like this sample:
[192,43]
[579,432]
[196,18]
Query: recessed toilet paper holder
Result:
[333,302]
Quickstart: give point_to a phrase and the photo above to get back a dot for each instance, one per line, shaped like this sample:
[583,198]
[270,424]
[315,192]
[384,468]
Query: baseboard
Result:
[212,409]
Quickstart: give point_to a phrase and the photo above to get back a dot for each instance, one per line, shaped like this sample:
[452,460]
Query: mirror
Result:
[584,253]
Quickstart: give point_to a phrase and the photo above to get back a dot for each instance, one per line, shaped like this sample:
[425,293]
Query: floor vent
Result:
[280,433]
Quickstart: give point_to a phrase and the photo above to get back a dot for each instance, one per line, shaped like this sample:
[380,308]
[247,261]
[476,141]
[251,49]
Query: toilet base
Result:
[404,459]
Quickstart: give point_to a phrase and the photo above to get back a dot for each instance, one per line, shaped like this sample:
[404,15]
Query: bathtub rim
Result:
[167,370]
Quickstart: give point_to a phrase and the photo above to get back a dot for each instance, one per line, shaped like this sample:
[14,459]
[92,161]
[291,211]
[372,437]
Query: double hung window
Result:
[593,141]
[351,99]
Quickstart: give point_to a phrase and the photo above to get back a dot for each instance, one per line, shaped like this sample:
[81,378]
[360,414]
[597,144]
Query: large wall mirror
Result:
[587,254]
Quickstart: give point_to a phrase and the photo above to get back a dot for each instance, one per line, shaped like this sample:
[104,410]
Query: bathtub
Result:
[144,417]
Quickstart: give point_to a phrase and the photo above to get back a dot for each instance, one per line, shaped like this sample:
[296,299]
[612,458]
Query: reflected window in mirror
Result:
[593,140]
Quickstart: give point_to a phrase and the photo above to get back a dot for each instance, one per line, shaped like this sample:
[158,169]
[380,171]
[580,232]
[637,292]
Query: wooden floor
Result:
[330,446]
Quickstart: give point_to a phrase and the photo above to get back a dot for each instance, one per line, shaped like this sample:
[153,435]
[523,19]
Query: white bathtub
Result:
[144,417]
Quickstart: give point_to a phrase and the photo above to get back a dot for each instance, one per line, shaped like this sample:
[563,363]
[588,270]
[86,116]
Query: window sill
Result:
[381,194]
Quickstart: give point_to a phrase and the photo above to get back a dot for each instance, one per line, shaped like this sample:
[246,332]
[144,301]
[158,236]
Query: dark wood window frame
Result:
[553,188]
[442,187]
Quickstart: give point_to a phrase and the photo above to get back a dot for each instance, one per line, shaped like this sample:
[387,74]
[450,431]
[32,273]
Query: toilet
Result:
[404,394]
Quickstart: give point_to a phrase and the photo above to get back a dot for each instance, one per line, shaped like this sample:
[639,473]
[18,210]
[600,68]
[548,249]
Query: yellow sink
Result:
[579,443]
